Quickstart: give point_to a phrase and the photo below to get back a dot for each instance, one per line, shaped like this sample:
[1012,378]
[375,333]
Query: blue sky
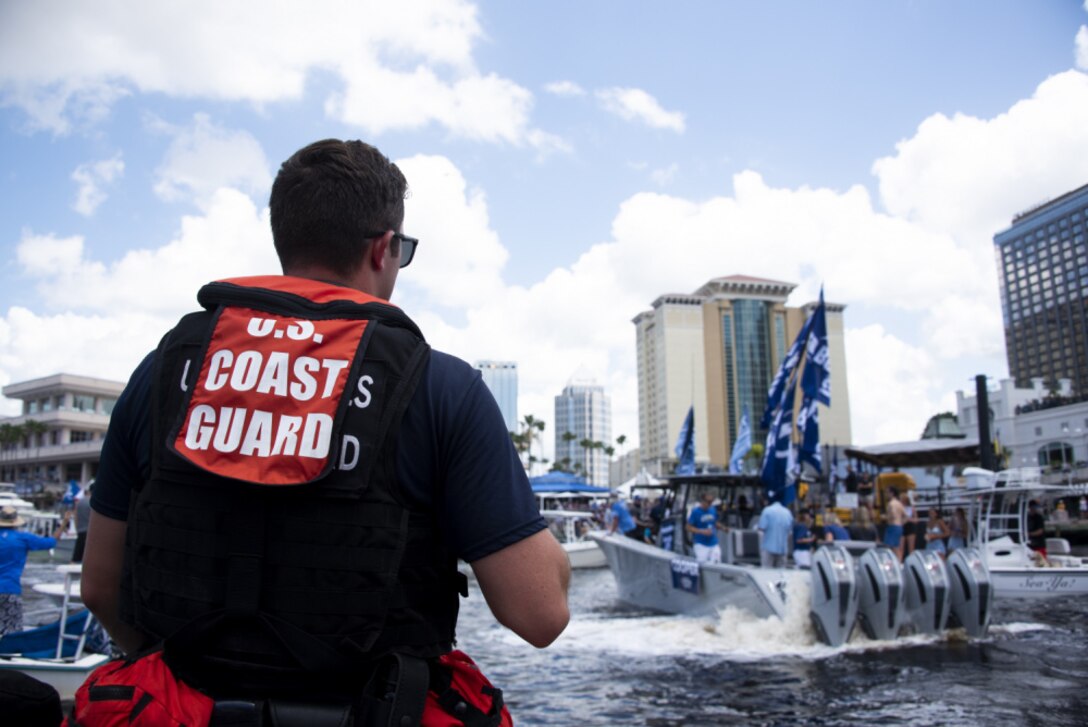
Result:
[568,163]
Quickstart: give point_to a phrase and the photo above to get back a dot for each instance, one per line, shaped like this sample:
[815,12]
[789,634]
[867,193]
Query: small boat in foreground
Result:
[61,653]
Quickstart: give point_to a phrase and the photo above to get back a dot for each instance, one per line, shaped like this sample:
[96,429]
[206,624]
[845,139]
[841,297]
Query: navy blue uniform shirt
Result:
[453,442]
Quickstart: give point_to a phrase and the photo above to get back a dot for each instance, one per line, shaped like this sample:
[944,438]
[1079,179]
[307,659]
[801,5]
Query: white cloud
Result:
[233,238]
[564,88]
[204,157]
[894,387]
[63,63]
[92,178]
[967,176]
[665,176]
[1081,50]
[922,260]
[634,104]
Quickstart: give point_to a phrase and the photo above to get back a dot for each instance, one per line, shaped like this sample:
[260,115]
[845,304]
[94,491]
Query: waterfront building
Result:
[1042,263]
[717,350]
[501,378]
[58,435]
[623,467]
[583,413]
[1034,426]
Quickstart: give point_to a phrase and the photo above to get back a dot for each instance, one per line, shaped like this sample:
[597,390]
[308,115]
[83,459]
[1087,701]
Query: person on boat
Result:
[863,528]
[894,517]
[298,473]
[911,527]
[1036,526]
[83,519]
[803,540]
[776,524]
[833,529]
[936,532]
[704,524]
[622,521]
[14,546]
[958,530]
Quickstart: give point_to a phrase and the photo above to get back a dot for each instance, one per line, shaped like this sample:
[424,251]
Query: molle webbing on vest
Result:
[260,583]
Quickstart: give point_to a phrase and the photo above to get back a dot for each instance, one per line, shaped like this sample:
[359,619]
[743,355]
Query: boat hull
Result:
[585,554]
[647,577]
[64,676]
[1039,582]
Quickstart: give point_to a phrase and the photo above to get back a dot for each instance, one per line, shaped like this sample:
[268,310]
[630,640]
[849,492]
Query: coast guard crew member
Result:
[289,480]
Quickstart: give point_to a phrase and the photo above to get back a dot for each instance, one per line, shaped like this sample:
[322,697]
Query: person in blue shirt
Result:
[776,524]
[833,529]
[703,524]
[803,540]
[623,521]
[14,546]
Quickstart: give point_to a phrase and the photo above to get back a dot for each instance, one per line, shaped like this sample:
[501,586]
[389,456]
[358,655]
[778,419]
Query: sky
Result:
[568,162]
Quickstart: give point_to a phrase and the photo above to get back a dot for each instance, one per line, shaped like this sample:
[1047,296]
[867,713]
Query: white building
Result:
[68,416]
[583,412]
[1034,426]
[501,378]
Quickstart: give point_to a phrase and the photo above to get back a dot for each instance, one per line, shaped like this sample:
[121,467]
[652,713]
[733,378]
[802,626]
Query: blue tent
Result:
[564,482]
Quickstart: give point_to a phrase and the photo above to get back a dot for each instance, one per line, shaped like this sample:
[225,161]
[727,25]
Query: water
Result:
[617,665]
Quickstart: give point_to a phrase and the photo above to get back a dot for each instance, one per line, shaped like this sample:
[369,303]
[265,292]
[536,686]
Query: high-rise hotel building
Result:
[1042,264]
[585,411]
[718,349]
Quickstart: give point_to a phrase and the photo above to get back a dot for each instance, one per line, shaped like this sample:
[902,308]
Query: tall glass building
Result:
[501,378]
[1042,262]
[717,350]
[584,412]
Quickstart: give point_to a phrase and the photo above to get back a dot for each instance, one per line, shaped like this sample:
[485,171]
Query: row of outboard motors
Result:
[924,595]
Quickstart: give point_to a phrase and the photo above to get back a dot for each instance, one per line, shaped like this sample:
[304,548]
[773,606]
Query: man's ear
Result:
[378,249]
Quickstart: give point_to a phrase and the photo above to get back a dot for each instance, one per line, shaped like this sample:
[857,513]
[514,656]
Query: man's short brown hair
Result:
[328,198]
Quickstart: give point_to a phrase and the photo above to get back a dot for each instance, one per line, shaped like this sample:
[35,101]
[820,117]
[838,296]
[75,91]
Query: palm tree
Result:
[10,434]
[533,428]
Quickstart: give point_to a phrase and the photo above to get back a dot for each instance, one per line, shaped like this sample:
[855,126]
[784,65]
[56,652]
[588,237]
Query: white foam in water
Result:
[736,633]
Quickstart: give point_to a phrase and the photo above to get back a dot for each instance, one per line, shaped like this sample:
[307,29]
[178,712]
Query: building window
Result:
[80,436]
[82,402]
[108,404]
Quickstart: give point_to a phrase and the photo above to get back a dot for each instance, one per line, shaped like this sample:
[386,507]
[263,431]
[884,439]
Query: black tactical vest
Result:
[303,583]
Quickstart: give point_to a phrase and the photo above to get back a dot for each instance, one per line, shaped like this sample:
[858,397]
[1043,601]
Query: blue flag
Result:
[685,445]
[785,375]
[779,457]
[742,445]
[815,386]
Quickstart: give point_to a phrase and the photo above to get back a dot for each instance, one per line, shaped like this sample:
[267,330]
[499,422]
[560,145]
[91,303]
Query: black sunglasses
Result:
[408,246]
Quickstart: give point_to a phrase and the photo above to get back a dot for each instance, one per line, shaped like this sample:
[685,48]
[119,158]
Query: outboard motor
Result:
[925,581]
[834,594]
[880,593]
[972,592]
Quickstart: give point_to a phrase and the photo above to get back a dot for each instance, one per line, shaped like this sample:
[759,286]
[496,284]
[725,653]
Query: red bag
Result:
[141,692]
[461,696]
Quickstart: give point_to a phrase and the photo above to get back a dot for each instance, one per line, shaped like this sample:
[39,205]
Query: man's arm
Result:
[100,585]
[525,585]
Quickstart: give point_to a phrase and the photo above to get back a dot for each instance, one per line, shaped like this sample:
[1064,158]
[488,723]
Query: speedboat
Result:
[997,507]
[572,528]
[843,592]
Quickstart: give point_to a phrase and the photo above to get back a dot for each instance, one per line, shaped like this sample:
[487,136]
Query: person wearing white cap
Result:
[14,545]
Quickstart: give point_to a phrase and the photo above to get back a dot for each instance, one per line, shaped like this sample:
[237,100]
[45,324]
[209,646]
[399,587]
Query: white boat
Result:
[572,528]
[840,591]
[997,506]
[56,653]
[566,503]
